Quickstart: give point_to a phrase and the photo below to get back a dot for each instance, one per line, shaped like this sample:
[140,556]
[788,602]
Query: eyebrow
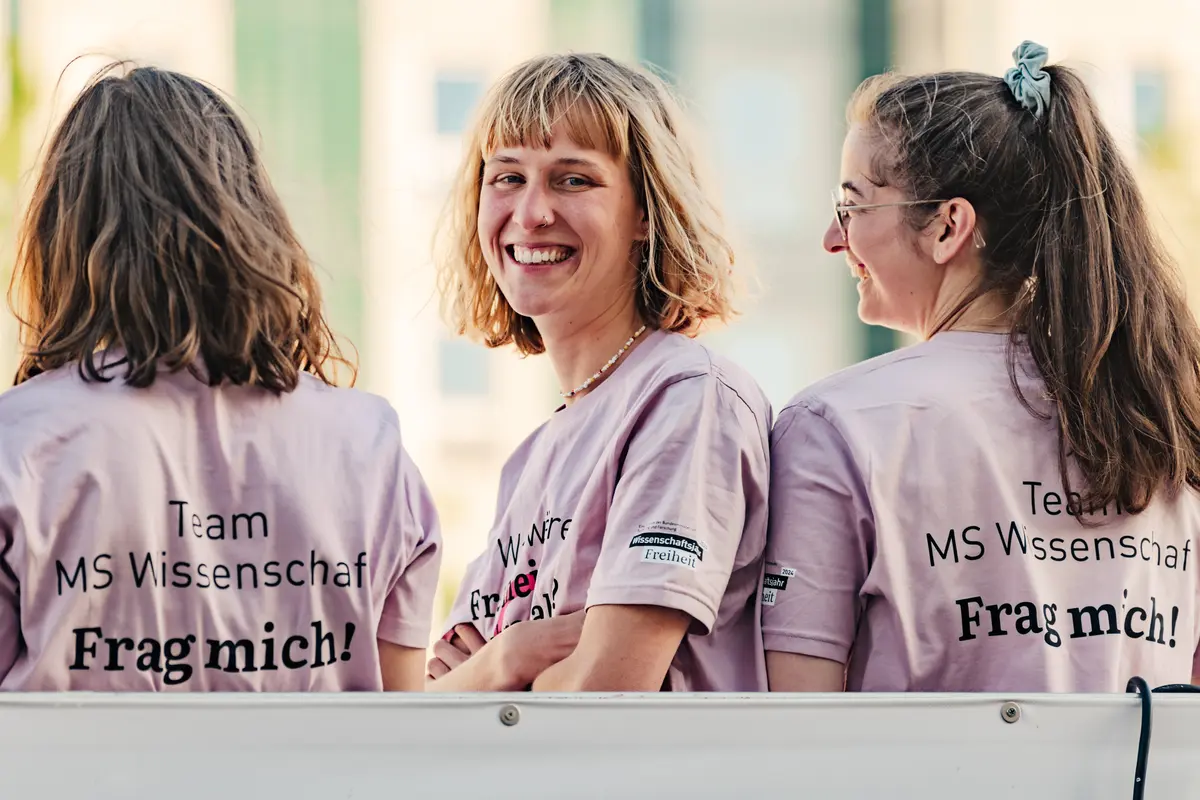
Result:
[565,161]
[850,185]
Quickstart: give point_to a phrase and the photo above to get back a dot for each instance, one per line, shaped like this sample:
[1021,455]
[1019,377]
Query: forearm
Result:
[482,672]
[560,677]
[400,667]
[792,672]
[612,673]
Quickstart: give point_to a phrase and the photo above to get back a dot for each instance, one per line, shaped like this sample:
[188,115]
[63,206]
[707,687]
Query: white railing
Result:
[329,747]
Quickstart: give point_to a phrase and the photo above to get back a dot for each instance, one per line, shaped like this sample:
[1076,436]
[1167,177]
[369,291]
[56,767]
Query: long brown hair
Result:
[154,228]
[1096,299]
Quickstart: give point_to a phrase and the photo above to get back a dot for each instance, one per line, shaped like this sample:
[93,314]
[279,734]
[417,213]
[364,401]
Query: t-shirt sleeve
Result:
[408,610]
[10,616]
[820,539]
[694,460]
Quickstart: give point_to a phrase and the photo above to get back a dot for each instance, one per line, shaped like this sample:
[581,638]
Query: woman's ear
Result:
[643,226]
[952,229]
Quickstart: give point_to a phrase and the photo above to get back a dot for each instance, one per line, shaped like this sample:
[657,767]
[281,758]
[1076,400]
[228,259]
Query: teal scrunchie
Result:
[1029,83]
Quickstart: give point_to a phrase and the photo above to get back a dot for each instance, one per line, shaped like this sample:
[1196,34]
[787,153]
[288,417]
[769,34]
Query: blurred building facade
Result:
[361,108]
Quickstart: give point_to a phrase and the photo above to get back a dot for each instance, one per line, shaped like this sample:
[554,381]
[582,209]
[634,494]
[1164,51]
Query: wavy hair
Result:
[686,272]
[154,228]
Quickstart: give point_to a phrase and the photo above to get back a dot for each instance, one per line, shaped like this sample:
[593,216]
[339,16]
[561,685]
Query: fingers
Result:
[449,654]
[454,640]
[436,668]
[464,641]
[468,637]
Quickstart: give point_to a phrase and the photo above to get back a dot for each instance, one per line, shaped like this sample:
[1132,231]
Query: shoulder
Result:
[61,402]
[875,376]
[952,389]
[363,425]
[934,375]
[47,396]
[683,367]
[349,406]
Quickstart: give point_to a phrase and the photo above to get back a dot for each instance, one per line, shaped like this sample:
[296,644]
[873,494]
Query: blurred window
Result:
[456,101]
[1150,103]
[462,368]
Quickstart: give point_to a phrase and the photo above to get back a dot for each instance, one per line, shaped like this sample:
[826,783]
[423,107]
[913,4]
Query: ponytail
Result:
[1095,298]
[1106,318]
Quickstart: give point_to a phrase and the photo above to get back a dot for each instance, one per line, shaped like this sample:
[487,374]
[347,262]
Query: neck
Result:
[988,313]
[579,349]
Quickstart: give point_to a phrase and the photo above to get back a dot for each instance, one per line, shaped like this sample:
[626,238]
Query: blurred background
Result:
[360,105]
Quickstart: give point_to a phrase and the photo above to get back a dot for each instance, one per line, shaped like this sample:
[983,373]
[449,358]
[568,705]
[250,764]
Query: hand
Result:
[463,642]
[528,648]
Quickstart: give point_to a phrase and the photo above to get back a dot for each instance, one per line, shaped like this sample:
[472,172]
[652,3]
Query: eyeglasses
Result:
[841,210]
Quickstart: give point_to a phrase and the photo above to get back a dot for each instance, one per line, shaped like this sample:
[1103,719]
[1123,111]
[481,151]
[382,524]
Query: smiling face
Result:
[899,278]
[577,208]
[560,230]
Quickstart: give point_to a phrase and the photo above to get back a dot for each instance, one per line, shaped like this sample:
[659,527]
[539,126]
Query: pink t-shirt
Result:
[919,528]
[185,538]
[649,490]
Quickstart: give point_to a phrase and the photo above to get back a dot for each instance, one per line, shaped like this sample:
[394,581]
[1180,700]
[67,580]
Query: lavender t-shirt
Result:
[182,537]
[919,528]
[650,490]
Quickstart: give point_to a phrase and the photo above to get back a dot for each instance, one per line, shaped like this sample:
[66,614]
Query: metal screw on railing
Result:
[1010,712]
[510,715]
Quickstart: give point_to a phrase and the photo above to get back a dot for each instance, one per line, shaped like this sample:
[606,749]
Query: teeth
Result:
[539,255]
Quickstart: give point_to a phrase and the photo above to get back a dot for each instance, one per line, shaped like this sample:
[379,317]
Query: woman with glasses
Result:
[1010,504]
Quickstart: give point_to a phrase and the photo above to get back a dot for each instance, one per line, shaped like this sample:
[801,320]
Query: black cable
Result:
[1139,685]
[1178,688]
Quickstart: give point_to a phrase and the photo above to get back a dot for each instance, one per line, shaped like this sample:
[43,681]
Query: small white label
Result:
[768,597]
[787,572]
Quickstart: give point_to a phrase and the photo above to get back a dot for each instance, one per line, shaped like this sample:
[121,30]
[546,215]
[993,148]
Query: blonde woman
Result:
[627,546]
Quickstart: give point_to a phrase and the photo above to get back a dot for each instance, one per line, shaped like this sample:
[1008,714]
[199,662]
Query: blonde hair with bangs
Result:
[685,276]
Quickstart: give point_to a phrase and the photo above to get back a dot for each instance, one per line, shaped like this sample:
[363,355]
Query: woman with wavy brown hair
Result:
[187,502]
[627,547]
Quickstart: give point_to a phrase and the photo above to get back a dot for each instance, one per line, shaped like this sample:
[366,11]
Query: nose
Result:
[534,208]
[833,242]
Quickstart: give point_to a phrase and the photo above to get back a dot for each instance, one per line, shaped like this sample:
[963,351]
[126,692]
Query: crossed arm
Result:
[613,648]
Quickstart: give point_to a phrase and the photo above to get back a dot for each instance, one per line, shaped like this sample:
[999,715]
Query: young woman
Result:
[627,547]
[1011,504]
[186,501]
